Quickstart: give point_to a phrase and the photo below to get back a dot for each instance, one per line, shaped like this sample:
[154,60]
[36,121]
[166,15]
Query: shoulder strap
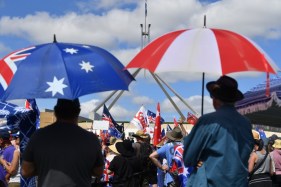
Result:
[259,165]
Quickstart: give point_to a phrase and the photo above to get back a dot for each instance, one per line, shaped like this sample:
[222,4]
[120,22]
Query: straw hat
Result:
[175,134]
[277,144]
[140,134]
[256,134]
[112,140]
[113,147]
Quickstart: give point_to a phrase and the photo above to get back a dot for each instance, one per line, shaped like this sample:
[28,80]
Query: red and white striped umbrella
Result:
[206,50]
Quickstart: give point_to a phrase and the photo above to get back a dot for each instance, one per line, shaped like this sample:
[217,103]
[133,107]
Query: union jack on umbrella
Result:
[60,70]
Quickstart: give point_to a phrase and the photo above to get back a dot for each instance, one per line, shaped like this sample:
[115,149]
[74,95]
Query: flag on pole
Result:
[163,133]
[191,118]
[169,128]
[157,127]
[151,117]
[175,122]
[145,6]
[140,120]
[114,129]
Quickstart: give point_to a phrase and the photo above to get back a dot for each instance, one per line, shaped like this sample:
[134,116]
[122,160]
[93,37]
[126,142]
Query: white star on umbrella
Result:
[56,86]
[86,66]
[70,50]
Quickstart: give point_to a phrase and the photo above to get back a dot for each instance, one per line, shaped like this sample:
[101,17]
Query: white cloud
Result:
[117,29]
[88,107]
[142,100]
[194,102]
[4,50]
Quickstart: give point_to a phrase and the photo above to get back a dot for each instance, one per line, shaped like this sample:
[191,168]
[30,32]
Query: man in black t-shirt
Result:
[63,154]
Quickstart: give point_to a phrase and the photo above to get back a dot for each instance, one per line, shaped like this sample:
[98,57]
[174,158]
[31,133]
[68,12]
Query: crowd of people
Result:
[9,159]
[221,150]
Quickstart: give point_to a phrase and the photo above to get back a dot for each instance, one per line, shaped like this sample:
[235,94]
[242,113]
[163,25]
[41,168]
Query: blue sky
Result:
[115,26]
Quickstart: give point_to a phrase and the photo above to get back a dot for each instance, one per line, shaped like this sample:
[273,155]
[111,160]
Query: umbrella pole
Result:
[168,96]
[202,101]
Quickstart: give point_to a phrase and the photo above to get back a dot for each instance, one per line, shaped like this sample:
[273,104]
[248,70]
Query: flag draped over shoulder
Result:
[140,120]
[28,119]
[157,127]
[114,129]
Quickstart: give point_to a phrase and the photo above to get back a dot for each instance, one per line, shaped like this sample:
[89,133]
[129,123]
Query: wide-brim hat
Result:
[140,134]
[225,89]
[175,134]
[256,134]
[125,148]
[113,147]
[277,144]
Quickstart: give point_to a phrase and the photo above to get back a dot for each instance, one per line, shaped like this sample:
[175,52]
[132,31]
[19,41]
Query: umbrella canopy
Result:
[262,109]
[60,70]
[206,50]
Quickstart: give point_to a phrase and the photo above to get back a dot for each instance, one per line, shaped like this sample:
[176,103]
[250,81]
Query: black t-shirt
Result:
[64,154]
[124,168]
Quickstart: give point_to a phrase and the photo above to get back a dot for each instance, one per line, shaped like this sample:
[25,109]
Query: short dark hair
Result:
[67,109]
[260,143]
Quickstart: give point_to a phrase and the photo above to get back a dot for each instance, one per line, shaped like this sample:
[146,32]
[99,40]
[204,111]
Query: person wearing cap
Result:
[276,157]
[63,154]
[174,137]
[221,141]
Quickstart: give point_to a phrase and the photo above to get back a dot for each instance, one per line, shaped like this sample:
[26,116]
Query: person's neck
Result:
[71,121]
[6,145]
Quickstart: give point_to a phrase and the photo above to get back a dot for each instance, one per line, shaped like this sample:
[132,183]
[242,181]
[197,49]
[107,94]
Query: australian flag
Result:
[26,120]
[114,129]
[152,116]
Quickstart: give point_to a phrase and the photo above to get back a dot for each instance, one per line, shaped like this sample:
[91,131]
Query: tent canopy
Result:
[262,109]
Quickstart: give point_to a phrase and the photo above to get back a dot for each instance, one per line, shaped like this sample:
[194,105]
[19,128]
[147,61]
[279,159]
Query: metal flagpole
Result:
[168,96]
[145,34]
[186,104]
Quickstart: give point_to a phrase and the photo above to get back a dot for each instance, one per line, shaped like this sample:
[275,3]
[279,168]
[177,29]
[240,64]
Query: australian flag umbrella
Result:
[60,70]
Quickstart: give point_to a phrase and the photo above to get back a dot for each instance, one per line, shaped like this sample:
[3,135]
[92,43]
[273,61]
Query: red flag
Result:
[191,118]
[175,123]
[157,127]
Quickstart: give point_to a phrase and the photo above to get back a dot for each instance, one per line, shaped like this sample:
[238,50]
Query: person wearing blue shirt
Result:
[167,152]
[221,141]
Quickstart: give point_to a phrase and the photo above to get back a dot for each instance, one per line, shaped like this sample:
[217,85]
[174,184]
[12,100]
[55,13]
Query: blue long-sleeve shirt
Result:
[223,140]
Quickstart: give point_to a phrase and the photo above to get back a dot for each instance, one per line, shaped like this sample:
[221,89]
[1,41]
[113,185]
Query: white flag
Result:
[141,119]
